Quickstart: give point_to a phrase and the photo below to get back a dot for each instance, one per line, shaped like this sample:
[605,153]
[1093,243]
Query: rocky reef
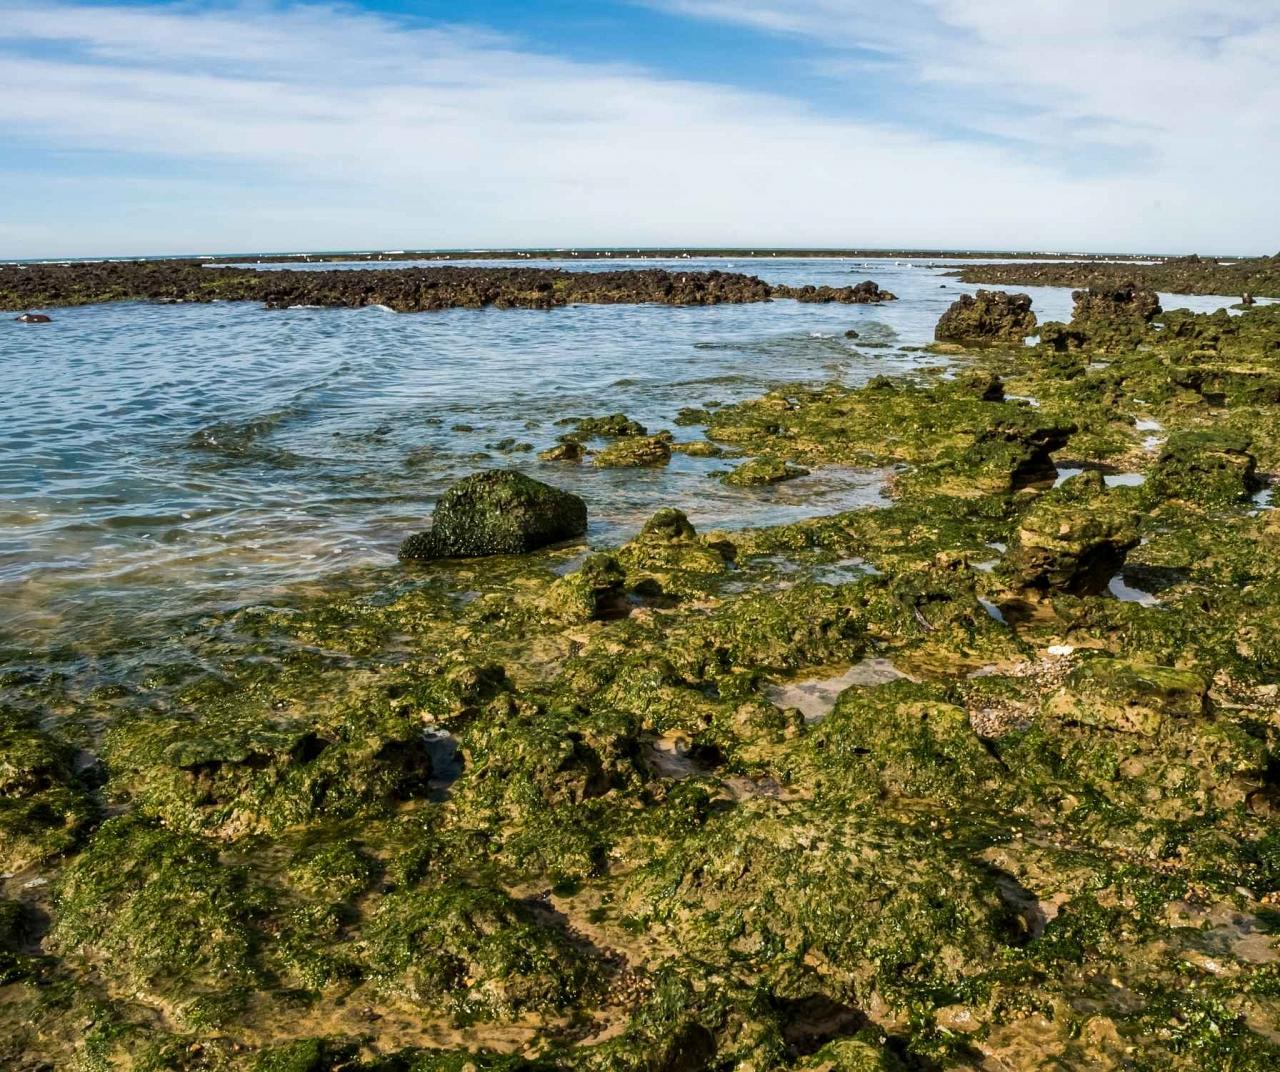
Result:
[1178,275]
[403,290]
[555,810]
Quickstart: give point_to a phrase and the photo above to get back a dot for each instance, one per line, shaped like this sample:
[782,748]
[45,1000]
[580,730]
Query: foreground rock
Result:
[498,512]
[987,317]
[1206,466]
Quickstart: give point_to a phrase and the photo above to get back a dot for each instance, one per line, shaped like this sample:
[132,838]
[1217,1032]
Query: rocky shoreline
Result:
[1255,276]
[556,811]
[402,290]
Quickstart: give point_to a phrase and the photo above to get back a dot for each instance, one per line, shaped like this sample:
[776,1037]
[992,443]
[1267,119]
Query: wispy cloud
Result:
[304,125]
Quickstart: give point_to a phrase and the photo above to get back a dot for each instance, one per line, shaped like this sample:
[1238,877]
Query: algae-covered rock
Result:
[1074,539]
[1126,302]
[472,951]
[634,453]
[1206,466]
[569,451]
[761,471]
[236,774]
[611,427]
[498,512]
[159,910]
[591,591]
[669,525]
[982,384]
[990,316]
[1127,696]
[43,807]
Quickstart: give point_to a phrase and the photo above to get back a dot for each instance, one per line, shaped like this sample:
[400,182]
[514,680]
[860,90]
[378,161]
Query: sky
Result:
[153,127]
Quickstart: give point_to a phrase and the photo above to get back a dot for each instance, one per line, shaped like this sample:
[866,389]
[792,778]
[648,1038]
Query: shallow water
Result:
[156,458]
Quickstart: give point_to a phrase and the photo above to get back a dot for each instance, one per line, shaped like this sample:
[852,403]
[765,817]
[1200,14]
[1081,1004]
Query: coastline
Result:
[550,806]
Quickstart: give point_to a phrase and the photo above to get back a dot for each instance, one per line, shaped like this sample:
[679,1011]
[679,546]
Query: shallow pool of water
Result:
[164,458]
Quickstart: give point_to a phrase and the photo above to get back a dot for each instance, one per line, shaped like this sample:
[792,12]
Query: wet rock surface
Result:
[498,512]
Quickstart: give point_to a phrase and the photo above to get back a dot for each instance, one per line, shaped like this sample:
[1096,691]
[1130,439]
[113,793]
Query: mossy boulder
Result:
[990,316]
[43,807]
[669,525]
[1074,539]
[498,512]
[634,453]
[1206,466]
[763,471]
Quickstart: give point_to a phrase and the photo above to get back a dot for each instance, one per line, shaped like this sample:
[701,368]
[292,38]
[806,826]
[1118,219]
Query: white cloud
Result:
[322,127]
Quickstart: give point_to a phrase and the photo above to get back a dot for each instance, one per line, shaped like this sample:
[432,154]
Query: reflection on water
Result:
[156,458]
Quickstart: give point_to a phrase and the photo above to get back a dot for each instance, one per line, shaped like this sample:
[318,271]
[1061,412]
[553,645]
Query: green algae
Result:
[1055,844]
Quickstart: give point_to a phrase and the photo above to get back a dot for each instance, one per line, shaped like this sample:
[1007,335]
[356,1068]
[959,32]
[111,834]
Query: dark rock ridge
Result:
[864,293]
[988,316]
[498,512]
[400,289]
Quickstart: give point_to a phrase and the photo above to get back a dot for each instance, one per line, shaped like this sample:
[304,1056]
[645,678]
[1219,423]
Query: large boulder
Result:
[988,316]
[498,512]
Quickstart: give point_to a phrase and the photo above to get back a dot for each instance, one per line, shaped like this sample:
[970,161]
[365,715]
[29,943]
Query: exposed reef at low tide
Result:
[399,289]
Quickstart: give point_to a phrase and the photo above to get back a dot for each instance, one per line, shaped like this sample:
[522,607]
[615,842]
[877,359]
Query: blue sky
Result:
[216,125]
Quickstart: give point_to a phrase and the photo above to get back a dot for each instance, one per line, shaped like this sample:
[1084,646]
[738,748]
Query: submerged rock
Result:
[498,512]
[634,453]
[610,427]
[988,316]
[760,471]
[1074,539]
